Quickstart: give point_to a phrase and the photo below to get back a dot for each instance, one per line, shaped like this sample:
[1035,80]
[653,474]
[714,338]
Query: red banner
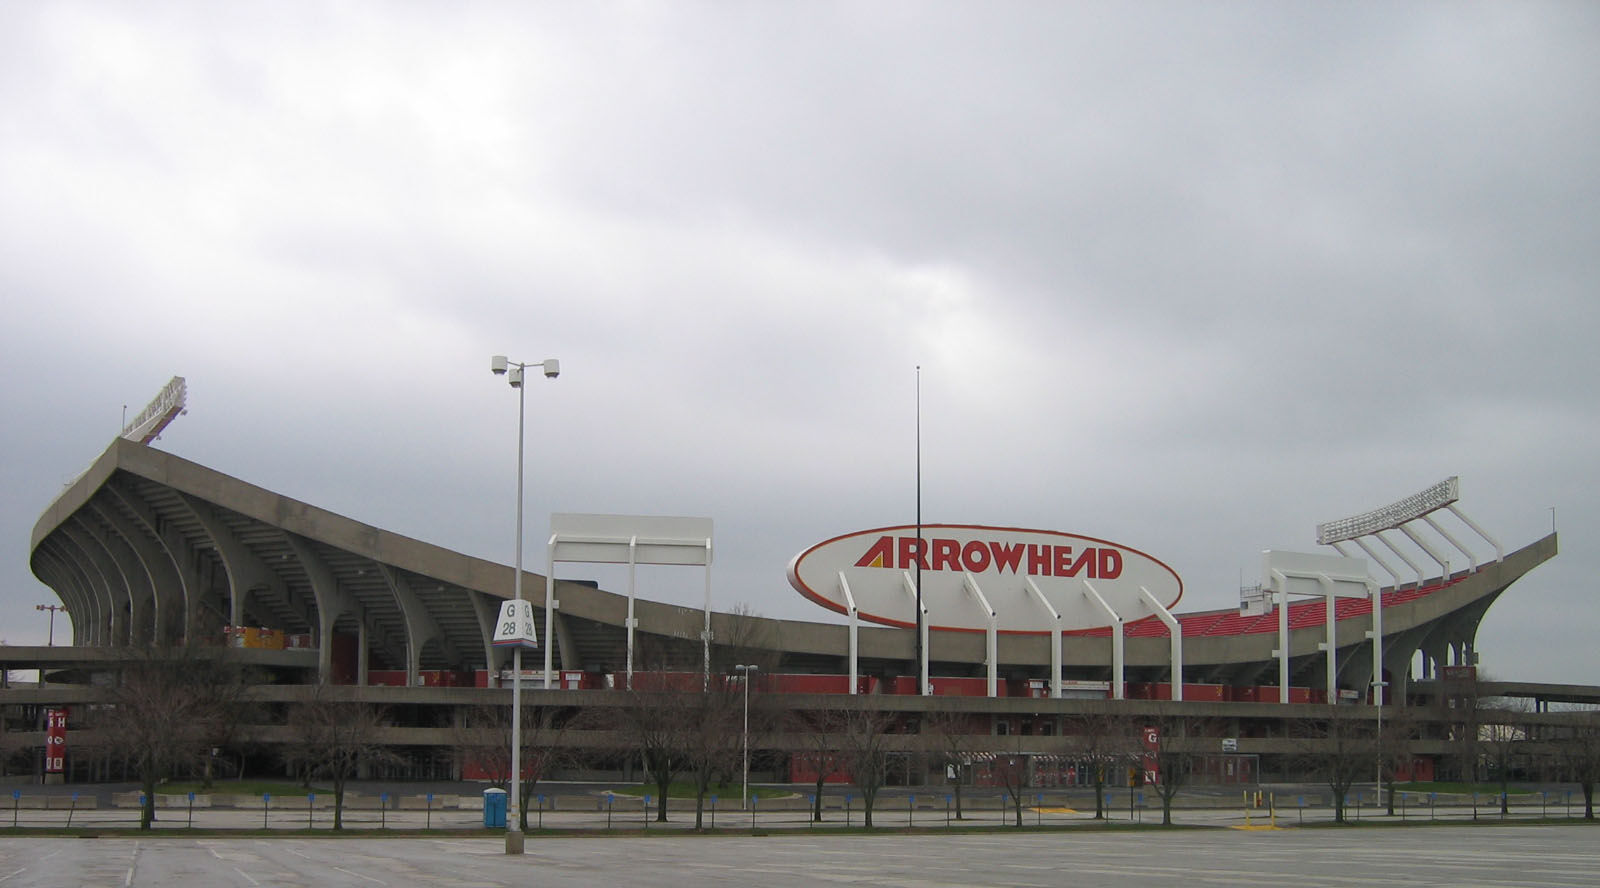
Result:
[55,741]
[1152,748]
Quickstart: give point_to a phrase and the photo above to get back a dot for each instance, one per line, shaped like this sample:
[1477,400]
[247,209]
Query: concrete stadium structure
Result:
[146,548]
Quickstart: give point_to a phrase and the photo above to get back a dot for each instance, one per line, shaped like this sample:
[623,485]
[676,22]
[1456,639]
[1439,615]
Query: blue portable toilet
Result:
[494,807]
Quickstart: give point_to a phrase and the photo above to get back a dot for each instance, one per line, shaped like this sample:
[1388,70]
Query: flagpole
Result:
[921,689]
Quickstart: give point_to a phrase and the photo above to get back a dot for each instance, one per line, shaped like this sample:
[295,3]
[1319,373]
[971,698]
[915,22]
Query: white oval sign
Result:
[1025,581]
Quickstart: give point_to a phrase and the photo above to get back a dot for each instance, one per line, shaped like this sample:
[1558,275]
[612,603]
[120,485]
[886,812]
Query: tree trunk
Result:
[147,811]
[816,802]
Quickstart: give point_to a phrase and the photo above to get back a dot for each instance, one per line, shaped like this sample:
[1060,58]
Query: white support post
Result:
[1118,675]
[1415,568]
[1331,634]
[924,686]
[855,630]
[1499,553]
[633,565]
[1388,568]
[992,647]
[1282,652]
[550,605]
[1176,630]
[1377,643]
[1424,545]
[1055,638]
[1472,560]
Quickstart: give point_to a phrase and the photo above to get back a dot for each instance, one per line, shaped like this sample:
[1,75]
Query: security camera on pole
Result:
[515,627]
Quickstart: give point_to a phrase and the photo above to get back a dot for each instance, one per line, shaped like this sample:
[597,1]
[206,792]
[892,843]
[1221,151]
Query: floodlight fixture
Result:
[1389,517]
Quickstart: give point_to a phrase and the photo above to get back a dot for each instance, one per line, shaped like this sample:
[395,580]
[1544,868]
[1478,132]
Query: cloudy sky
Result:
[1191,277]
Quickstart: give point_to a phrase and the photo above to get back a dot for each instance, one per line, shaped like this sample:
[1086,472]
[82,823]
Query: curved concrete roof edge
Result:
[470,572]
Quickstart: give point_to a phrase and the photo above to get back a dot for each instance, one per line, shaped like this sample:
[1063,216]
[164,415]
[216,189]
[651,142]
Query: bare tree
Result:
[742,638]
[1501,732]
[483,736]
[167,709]
[817,736]
[1578,749]
[1460,703]
[1107,741]
[1169,741]
[864,746]
[650,720]
[950,739]
[1010,770]
[712,734]
[1396,741]
[1339,747]
[336,738]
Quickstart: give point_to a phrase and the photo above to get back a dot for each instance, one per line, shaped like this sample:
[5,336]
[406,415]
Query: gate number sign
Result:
[515,626]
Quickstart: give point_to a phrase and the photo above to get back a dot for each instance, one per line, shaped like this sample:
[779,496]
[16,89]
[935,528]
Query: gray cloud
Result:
[1190,277]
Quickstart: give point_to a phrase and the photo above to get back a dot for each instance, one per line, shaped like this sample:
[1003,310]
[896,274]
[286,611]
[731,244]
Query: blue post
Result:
[753,798]
[191,810]
[16,798]
[713,810]
[811,805]
[266,800]
[73,809]
[911,803]
[847,798]
[311,799]
[647,812]
[383,810]
[428,823]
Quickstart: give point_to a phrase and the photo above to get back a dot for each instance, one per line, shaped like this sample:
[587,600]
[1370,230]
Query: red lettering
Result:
[975,557]
[1087,559]
[1039,560]
[880,555]
[1006,557]
[911,553]
[1110,564]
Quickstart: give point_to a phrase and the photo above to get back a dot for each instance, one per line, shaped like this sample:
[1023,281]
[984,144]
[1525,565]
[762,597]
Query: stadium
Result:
[1016,630]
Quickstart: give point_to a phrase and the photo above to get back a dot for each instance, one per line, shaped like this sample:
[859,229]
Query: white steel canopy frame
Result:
[1334,577]
[632,540]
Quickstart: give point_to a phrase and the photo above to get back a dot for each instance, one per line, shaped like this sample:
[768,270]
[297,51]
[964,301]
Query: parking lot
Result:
[1491,855]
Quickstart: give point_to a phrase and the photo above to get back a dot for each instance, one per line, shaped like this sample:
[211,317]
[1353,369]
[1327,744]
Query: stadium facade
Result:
[148,549]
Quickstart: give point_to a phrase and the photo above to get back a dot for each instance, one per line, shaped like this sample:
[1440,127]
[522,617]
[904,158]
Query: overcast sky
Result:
[1190,277]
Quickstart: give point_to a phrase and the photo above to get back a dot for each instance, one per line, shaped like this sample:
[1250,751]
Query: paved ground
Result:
[1481,855]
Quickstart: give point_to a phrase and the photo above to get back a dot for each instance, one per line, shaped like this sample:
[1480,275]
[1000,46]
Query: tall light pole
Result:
[52,608]
[745,799]
[514,371]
